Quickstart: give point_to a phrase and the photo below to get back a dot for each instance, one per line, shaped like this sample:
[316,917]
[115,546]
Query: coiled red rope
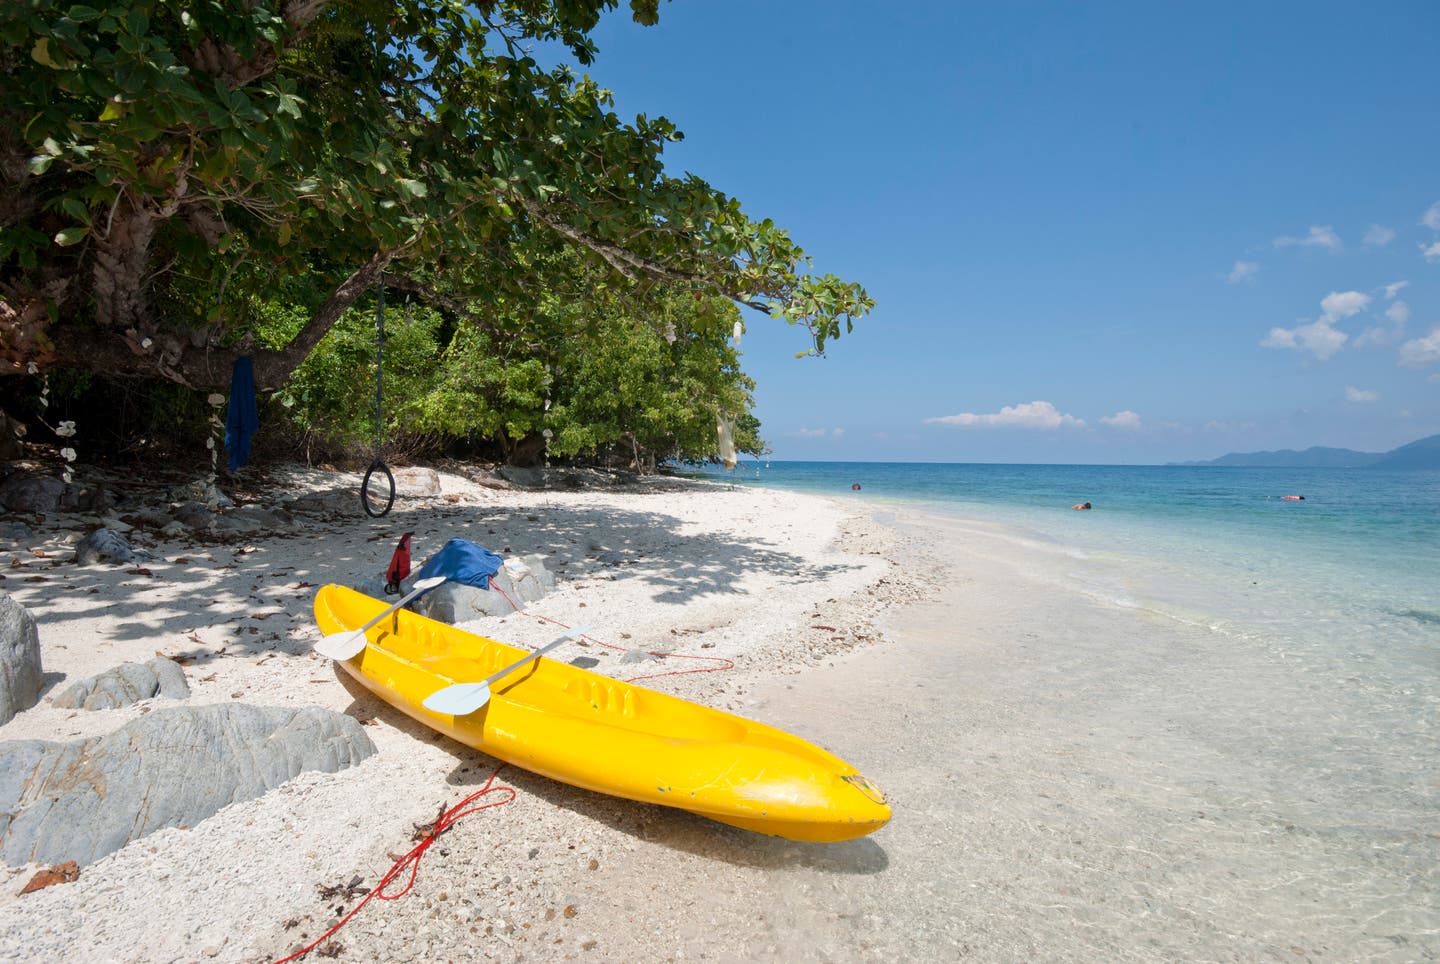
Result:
[446,820]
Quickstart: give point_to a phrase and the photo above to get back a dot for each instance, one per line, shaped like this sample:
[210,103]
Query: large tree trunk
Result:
[122,258]
[195,362]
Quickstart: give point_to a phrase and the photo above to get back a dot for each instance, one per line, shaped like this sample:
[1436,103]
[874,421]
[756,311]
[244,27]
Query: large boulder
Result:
[20,673]
[82,800]
[126,684]
[107,545]
[416,482]
[524,476]
[521,580]
[30,493]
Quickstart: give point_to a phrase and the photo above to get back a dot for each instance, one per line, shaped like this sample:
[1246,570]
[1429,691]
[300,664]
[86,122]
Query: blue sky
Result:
[1104,233]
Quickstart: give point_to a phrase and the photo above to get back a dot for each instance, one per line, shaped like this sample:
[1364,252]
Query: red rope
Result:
[412,859]
[724,663]
[463,808]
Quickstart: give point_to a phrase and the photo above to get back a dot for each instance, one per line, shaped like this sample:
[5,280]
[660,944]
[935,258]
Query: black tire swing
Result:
[377,489]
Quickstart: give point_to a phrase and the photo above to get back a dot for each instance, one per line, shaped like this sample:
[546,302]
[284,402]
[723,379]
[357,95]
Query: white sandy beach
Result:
[1059,790]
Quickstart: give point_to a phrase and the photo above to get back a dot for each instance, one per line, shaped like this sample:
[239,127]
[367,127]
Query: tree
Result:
[646,372]
[165,166]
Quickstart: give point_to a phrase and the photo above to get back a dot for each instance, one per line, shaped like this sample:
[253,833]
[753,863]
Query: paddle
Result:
[458,699]
[344,645]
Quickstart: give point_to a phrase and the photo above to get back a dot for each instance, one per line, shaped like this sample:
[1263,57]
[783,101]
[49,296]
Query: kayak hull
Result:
[594,732]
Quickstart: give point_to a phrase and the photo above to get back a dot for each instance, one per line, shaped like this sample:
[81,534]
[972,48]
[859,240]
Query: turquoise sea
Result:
[1352,565]
[1197,722]
[1351,573]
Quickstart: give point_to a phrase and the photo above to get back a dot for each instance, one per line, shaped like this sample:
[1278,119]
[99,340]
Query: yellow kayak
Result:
[594,732]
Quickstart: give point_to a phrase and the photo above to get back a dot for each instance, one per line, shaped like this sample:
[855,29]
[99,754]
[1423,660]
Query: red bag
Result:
[399,569]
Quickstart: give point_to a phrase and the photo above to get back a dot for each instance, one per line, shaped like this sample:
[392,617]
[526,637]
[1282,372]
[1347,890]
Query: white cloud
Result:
[1318,338]
[1342,304]
[1431,252]
[1320,236]
[1421,351]
[1214,426]
[1125,419]
[837,433]
[1397,314]
[809,433]
[1037,415]
[1431,217]
[1393,289]
[1243,271]
[1354,394]
[1378,235]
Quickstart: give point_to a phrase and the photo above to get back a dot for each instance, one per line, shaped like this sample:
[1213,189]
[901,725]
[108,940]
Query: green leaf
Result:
[81,13]
[71,236]
[41,54]
[114,110]
[40,163]
[76,209]
[416,188]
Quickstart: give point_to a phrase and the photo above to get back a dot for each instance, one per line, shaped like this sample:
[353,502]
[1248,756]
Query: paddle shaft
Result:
[424,585]
[521,662]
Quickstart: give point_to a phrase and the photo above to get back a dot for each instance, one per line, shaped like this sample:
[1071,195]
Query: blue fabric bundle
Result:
[462,561]
[241,419]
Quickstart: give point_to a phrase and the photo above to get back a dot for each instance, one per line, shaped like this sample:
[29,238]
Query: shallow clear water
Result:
[1352,571]
[1231,755]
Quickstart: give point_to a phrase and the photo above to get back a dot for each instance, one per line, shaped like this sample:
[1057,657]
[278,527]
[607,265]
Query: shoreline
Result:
[776,582]
[1072,777]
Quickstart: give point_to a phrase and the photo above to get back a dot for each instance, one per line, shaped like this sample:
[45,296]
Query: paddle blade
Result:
[458,699]
[341,646]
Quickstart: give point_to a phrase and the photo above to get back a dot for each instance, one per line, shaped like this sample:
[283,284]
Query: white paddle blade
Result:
[458,699]
[341,646]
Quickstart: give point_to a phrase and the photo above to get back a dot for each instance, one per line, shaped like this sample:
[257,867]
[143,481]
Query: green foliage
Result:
[167,167]
[597,380]
[332,394]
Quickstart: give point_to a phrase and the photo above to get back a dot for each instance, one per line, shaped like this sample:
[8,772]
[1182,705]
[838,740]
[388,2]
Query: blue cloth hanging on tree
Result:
[241,418]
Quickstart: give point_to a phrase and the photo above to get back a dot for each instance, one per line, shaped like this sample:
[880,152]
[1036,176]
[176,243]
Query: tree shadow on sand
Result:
[248,577]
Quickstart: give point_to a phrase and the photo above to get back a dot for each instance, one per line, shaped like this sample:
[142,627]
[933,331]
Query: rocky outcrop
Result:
[126,684]
[107,545]
[20,673]
[520,581]
[416,482]
[39,494]
[170,768]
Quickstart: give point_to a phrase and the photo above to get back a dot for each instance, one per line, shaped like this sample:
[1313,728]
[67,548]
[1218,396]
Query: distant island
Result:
[1421,454]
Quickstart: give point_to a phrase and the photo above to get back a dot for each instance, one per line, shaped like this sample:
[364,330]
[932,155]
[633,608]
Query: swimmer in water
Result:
[1081,505]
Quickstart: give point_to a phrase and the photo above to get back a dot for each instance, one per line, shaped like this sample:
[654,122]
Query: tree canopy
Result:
[166,167]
